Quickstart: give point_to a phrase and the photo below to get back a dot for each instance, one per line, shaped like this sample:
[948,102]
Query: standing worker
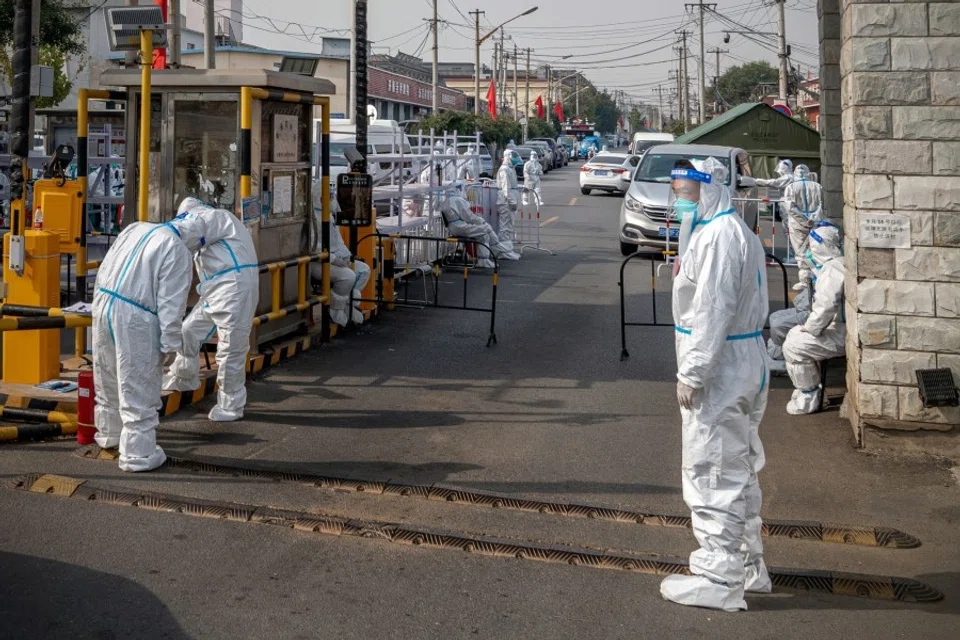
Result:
[507,203]
[141,294]
[823,333]
[229,289]
[532,171]
[720,304]
[804,201]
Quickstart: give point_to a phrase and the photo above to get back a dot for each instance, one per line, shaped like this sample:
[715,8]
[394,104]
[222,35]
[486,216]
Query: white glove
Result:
[168,359]
[685,395]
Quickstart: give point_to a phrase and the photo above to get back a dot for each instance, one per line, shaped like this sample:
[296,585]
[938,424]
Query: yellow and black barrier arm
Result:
[66,321]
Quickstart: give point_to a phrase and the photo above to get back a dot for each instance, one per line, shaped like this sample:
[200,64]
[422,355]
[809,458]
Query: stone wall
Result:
[900,130]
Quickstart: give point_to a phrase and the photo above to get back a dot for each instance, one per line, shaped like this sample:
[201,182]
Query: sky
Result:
[617,44]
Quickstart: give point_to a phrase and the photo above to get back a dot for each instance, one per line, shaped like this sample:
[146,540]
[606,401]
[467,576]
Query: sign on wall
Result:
[286,138]
[884,231]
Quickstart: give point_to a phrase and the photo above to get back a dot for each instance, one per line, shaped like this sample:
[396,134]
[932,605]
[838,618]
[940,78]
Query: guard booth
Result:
[237,139]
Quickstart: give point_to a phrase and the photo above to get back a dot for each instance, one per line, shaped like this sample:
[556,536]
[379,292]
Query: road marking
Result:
[549,221]
[573,201]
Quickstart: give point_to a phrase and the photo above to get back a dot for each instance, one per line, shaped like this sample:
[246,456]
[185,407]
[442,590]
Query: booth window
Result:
[205,152]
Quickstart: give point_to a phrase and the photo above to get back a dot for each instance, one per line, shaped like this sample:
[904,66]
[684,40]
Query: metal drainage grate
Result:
[937,388]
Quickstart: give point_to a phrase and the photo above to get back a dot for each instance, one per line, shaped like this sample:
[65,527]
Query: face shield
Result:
[189,223]
[784,168]
[825,244]
[534,157]
[686,189]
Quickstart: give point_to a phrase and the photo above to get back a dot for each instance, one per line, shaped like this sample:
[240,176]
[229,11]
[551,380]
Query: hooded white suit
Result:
[803,199]
[507,200]
[532,172]
[226,263]
[141,294]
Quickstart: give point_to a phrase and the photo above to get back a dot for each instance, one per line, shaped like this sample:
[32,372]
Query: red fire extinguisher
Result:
[86,400]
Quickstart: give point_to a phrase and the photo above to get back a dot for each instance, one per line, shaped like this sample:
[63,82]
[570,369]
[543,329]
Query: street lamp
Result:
[480,41]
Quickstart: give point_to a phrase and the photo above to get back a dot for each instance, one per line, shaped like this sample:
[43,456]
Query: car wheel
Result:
[627,249]
[585,191]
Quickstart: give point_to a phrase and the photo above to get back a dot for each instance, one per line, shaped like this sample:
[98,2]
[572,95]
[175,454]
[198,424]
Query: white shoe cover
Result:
[510,255]
[800,286]
[757,579]
[220,415]
[485,263]
[174,383]
[804,402]
[150,463]
[698,591]
[357,316]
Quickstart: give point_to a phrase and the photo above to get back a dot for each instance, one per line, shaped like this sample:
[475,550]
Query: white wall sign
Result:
[884,231]
[286,138]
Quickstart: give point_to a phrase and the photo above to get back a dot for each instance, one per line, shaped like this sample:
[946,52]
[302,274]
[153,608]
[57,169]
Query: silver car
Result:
[643,214]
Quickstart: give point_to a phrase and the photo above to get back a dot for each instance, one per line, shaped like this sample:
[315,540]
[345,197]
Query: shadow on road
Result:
[42,598]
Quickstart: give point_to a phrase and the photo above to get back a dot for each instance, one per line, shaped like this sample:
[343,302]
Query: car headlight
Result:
[633,204]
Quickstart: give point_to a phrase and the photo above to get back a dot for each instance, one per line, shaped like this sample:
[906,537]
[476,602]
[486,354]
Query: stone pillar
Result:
[901,154]
[831,142]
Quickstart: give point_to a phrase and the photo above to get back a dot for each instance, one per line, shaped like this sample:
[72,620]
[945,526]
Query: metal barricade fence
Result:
[483,196]
[654,258]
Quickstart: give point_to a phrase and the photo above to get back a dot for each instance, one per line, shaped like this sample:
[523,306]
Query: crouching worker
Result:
[463,223]
[141,294]
[781,322]
[345,276]
[822,335]
[229,289]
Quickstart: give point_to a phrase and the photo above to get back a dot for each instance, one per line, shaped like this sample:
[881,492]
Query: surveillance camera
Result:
[352,155]
[726,38]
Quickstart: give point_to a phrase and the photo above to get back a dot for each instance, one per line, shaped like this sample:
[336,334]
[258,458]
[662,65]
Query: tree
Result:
[537,128]
[494,133]
[636,119]
[741,83]
[61,37]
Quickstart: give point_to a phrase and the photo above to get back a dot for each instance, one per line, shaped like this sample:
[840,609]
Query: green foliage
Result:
[596,106]
[495,133]
[742,83]
[537,128]
[61,37]
[636,119]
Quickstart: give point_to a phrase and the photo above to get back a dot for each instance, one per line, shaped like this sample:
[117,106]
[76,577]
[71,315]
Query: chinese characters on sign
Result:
[884,231]
[286,138]
[401,88]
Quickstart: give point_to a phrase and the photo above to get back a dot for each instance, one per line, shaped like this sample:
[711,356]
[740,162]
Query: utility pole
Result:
[549,84]
[173,51]
[660,107]
[686,85]
[502,73]
[209,36]
[716,79]
[782,47]
[516,90]
[703,64]
[476,62]
[577,94]
[436,62]
[526,111]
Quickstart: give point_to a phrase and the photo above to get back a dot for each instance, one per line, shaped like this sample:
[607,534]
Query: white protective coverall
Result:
[720,302]
[822,335]
[463,223]
[532,172]
[343,278]
[803,199]
[781,322]
[507,200]
[138,305]
[450,166]
[467,165]
[784,178]
[226,263]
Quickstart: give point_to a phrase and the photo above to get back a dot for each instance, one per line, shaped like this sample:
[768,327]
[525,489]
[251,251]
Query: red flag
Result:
[558,109]
[539,105]
[160,55]
[492,99]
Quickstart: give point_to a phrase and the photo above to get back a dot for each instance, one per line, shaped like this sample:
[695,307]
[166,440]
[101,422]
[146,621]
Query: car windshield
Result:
[642,145]
[656,167]
[607,160]
[523,152]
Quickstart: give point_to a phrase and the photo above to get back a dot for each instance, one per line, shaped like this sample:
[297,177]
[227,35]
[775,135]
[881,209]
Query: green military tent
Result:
[763,132]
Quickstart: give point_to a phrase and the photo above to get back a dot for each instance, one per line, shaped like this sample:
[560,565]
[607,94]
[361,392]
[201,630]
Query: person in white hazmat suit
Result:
[720,303]
[781,322]
[467,165]
[803,199]
[138,304]
[784,178]
[449,172]
[463,223]
[344,279]
[507,203]
[532,172]
[823,334]
[227,267]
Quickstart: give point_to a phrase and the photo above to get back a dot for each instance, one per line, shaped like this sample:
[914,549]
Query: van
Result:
[643,140]
[383,137]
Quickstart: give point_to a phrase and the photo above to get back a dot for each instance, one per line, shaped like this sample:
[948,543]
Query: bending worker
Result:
[781,322]
[507,202]
[720,304]
[229,289]
[138,305]
[784,178]
[822,335]
[463,223]
[532,172]
[804,201]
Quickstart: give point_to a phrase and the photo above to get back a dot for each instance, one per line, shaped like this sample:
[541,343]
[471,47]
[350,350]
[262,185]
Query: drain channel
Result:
[794,529]
[845,584]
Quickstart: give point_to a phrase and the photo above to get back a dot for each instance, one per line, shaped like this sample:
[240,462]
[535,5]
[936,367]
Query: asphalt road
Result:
[550,412]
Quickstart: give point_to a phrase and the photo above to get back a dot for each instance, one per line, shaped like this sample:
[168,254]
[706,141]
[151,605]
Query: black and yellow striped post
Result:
[66,321]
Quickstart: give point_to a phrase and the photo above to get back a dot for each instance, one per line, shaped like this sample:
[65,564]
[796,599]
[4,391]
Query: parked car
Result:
[605,172]
[569,143]
[645,208]
[643,140]
[524,153]
[544,151]
[486,160]
[554,149]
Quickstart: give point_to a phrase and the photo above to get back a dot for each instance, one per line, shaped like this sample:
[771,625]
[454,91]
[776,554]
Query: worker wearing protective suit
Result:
[463,223]
[720,305]
[822,335]
[803,199]
[450,166]
[229,289]
[141,294]
[433,173]
[784,178]
[507,203]
[532,172]
[781,322]
[467,166]
[346,276]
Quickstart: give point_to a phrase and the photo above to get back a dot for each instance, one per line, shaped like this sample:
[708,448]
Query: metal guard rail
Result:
[388,269]
[654,258]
